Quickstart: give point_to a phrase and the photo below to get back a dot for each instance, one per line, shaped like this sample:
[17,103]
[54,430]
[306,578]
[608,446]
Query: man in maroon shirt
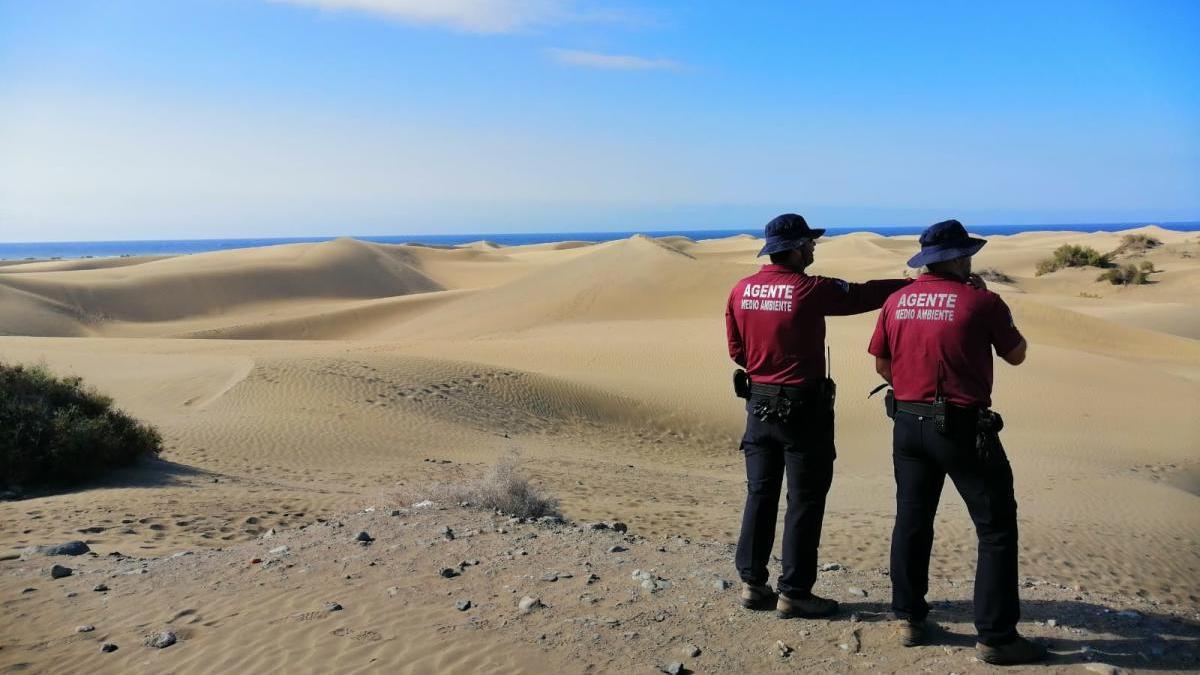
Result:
[933,344]
[775,321]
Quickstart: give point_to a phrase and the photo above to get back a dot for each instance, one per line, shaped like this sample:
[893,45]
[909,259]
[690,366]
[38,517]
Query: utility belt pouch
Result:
[987,433]
[889,404]
[741,384]
[941,416]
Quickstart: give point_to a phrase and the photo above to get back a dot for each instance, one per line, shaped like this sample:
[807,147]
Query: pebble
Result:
[58,572]
[591,579]
[852,643]
[691,651]
[423,504]
[279,550]
[618,526]
[782,649]
[1053,623]
[722,585]
[364,538]
[528,604]
[87,628]
[72,594]
[550,576]
[448,572]
[462,605]
[598,526]
[108,647]
[617,549]
[673,668]
[395,512]
[447,533]
[161,640]
[856,592]
[333,607]
[100,588]
[830,567]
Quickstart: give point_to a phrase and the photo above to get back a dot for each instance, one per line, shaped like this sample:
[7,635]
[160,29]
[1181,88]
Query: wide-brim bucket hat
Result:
[947,240]
[787,232]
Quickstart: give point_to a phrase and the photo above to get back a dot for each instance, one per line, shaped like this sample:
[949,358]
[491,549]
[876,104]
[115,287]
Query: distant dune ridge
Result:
[307,381]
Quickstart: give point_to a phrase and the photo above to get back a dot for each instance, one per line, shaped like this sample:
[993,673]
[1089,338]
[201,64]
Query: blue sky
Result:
[124,119]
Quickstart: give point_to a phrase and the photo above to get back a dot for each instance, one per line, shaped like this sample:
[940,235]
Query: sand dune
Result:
[330,375]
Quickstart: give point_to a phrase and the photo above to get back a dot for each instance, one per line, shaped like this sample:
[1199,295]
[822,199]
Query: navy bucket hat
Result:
[944,241]
[787,232]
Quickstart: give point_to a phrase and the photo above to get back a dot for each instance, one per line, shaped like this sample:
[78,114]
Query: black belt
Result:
[783,391]
[929,409]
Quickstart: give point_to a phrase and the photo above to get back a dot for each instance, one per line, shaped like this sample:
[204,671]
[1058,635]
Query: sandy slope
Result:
[330,373]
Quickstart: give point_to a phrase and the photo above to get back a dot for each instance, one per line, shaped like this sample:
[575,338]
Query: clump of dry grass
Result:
[504,488]
[1126,275]
[1070,255]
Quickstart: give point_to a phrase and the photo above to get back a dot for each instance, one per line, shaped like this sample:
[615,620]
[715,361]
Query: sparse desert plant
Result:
[1070,255]
[56,430]
[993,274]
[503,488]
[1135,243]
[1085,294]
[1125,275]
[1146,266]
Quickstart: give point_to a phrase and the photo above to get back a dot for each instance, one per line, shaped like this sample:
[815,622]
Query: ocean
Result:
[100,249]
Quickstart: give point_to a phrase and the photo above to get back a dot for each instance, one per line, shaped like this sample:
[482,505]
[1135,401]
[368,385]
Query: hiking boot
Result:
[1011,654]
[757,597]
[913,633]
[812,607]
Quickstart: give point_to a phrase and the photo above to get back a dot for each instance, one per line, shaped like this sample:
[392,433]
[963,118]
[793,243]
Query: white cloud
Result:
[473,16]
[572,57]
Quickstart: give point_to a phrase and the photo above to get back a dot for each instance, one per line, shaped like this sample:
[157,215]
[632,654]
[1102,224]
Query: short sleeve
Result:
[1002,331]
[879,341]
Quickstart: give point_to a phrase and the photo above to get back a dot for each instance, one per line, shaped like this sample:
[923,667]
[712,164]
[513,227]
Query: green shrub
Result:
[56,430]
[1126,275]
[1070,255]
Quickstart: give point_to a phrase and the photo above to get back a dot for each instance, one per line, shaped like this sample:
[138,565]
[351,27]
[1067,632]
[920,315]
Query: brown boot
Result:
[1016,652]
[757,597]
[812,607]
[913,633]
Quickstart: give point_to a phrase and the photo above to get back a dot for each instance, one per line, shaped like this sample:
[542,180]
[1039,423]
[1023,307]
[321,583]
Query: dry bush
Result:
[503,488]
[1126,275]
[993,274]
[1135,243]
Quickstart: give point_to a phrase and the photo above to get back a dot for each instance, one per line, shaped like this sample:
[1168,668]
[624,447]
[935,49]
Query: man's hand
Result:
[977,281]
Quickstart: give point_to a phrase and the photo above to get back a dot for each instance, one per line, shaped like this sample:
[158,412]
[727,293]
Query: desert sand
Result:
[304,389]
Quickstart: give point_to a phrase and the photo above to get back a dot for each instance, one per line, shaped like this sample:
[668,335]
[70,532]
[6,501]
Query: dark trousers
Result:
[803,450]
[923,457]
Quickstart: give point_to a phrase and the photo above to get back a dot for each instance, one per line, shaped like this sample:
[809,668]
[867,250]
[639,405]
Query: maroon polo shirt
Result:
[775,321]
[942,319]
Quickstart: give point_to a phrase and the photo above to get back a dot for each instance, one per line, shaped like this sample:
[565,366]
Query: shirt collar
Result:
[930,276]
[779,269]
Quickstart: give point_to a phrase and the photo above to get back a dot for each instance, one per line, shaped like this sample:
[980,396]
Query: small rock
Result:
[550,520]
[591,579]
[691,651]
[28,590]
[1053,623]
[617,549]
[673,668]
[528,604]
[447,533]
[721,585]
[161,640]
[364,538]
[333,607]
[856,592]
[852,643]
[100,588]
[69,548]
[423,504]
[108,647]
[598,526]
[618,526]
[182,554]
[279,550]
[660,617]
[395,512]
[268,534]
[448,572]
[462,605]
[86,628]
[58,572]
[550,576]
[72,594]
[782,649]
[830,567]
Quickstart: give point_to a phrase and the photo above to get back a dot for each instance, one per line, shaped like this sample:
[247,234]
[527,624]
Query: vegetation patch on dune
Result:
[1133,244]
[56,430]
[993,274]
[504,488]
[1070,255]
[1125,275]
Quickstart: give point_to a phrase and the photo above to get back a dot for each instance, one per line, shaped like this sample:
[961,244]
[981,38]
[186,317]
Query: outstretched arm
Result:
[846,298]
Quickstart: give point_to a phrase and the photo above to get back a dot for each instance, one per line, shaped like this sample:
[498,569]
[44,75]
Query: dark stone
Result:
[59,572]
[108,647]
